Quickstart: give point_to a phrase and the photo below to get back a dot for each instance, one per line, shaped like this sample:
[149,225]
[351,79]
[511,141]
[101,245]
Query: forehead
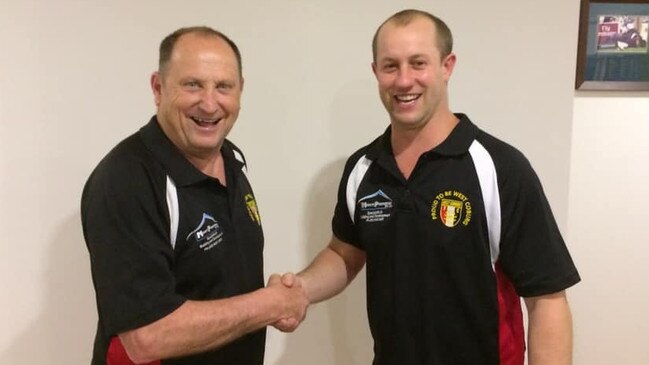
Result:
[399,40]
[193,52]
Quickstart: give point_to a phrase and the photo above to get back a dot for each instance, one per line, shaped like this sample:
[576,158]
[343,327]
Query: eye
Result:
[224,86]
[419,64]
[389,67]
[192,85]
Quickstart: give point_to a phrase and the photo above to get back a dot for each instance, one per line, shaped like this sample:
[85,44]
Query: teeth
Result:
[201,120]
[407,98]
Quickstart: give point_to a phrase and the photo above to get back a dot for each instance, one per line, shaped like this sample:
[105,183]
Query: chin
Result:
[406,119]
[408,123]
[207,145]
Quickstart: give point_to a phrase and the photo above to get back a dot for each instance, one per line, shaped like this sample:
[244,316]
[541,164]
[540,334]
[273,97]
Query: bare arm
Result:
[198,326]
[327,275]
[332,270]
[550,330]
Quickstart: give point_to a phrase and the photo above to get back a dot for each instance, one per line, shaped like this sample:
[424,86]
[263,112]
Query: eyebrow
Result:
[418,55]
[393,59]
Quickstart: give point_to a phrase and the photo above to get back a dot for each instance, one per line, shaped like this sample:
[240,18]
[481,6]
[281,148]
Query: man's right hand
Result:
[294,301]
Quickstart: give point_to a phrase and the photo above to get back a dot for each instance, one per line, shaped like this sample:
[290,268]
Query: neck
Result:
[409,144]
[419,140]
[211,165]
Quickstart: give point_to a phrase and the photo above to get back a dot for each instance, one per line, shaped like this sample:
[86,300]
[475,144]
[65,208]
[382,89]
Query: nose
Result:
[405,78]
[209,102]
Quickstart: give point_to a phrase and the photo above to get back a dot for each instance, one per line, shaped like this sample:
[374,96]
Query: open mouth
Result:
[206,122]
[407,98]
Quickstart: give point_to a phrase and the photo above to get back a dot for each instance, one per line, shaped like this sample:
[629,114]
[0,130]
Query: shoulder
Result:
[508,160]
[129,169]
[365,154]
[499,149]
[128,156]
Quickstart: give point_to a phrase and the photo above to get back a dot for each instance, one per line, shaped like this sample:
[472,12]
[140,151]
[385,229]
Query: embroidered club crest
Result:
[251,204]
[450,212]
[451,207]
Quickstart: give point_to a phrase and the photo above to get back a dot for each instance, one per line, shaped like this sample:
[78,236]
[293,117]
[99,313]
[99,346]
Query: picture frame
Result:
[613,45]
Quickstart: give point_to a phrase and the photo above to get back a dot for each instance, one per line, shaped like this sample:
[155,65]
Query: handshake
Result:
[290,295]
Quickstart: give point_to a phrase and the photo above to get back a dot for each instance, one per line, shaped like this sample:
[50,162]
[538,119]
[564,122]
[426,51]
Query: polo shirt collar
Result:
[457,143]
[178,167]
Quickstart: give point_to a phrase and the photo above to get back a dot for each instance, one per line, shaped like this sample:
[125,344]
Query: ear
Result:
[374,68]
[242,82]
[448,64]
[156,87]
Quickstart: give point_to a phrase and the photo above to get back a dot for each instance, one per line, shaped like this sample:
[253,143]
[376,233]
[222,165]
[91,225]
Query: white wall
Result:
[74,81]
[607,227]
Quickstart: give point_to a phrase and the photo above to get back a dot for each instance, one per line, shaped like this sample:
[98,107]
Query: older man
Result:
[172,225]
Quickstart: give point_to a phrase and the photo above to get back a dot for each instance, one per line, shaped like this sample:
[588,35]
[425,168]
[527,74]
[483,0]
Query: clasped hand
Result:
[293,300]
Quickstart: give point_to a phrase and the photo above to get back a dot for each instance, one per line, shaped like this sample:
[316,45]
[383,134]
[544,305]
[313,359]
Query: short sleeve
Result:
[126,230]
[342,223]
[533,253]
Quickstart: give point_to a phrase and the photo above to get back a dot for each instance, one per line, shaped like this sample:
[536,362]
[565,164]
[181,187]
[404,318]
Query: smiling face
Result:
[412,76]
[198,94]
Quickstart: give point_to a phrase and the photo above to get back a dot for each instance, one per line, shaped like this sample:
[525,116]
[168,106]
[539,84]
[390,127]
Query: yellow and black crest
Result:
[451,207]
[251,204]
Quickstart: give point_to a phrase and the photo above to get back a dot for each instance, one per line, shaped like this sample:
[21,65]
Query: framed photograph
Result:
[613,53]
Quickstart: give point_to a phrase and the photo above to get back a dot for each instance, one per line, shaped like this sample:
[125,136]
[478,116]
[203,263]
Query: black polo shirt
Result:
[160,232]
[451,249]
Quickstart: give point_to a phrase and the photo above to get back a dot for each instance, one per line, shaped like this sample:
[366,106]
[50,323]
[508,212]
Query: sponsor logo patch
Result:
[451,208]
[375,207]
[208,234]
[253,212]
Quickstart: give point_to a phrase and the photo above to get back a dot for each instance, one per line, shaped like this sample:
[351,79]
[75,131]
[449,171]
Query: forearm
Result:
[550,330]
[198,326]
[325,277]
[331,271]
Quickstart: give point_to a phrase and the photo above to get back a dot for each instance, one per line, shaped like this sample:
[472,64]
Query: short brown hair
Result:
[169,42]
[405,17]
